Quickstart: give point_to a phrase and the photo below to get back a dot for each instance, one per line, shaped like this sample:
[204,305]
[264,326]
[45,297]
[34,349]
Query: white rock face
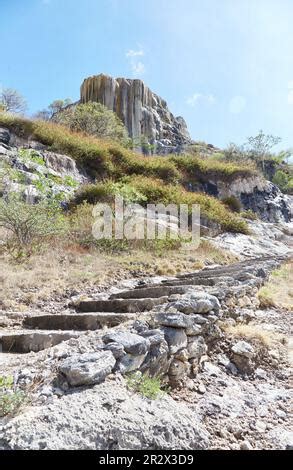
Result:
[265,238]
[144,114]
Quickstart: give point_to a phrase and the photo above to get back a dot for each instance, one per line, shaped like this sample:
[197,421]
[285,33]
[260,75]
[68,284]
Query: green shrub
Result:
[284,181]
[10,399]
[93,193]
[29,155]
[149,387]
[28,226]
[94,119]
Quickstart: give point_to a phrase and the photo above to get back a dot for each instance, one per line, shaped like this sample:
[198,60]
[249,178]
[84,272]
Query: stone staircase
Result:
[41,331]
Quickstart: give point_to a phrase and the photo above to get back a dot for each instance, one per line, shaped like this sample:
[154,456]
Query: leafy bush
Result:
[284,181]
[28,226]
[29,155]
[149,387]
[10,399]
[94,119]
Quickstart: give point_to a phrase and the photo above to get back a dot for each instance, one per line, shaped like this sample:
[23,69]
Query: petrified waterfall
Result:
[145,115]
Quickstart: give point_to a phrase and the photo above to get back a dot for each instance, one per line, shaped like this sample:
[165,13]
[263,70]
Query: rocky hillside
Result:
[145,115]
[41,158]
[193,357]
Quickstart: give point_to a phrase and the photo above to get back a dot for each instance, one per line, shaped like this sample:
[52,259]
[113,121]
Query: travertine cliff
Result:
[145,115]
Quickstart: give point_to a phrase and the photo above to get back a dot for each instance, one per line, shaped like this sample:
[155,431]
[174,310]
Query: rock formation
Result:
[254,193]
[145,115]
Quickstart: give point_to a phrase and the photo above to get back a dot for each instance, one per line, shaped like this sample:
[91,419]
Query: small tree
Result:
[11,101]
[58,105]
[260,145]
[54,108]
[94,119]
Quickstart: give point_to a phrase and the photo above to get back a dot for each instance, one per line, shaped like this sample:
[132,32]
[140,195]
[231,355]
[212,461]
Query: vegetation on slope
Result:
[101,154]
[158,179]
[143,190]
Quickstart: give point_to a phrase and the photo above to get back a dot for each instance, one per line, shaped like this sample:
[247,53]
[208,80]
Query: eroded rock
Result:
[88,368]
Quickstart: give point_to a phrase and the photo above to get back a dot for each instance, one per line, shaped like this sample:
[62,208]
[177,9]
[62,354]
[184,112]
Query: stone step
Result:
[251,266]
[152,292]
[213,273]
[77,321]
[187,283]
[191,282]
[25,341]
[120,305]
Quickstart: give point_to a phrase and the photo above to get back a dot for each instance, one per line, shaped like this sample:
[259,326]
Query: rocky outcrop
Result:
[28,169]
[145,115]
[254,193]
[264,238]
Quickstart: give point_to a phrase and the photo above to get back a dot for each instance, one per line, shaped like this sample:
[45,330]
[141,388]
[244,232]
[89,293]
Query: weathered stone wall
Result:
[144,114]
[171,344]
[174,339]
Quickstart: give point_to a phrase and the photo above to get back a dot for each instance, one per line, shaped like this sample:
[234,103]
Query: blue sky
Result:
[226,66]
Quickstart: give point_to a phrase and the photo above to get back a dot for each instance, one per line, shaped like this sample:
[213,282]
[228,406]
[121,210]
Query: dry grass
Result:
[254,333]
[278,291]
[64,270]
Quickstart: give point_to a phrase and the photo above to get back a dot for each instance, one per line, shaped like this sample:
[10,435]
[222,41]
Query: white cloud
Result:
[132,53]
[192,100]
[237,104]
[196,97]
[136,65]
